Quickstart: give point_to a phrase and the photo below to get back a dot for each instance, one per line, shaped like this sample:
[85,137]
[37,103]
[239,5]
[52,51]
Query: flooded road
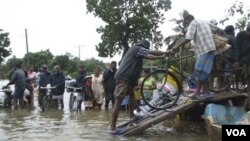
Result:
[92,125]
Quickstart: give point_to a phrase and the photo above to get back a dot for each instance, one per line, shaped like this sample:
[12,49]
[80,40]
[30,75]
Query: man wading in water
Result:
[128,73]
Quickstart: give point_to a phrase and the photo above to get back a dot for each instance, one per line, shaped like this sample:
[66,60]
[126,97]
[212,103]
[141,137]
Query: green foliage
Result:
[72,66]
[4,43]
[154,64]
[186,63]
[69,64]
[37,59]
[127,22]
[62,61]
[179,22]
[71,56]
[238,10]
[12,62]
[3,71]
[91,64]
[179,29]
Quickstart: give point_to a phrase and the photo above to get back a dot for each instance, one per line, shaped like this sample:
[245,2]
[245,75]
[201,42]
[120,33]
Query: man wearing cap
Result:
[43,81]
[243,46]
[128,73]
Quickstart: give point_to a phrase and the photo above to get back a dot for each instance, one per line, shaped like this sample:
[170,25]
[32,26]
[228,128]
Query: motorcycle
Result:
[6,97]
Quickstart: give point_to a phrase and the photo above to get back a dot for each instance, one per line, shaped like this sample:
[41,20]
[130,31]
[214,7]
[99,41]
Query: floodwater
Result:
[91,125]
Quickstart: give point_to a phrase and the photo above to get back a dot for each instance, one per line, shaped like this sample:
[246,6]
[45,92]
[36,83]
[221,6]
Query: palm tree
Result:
[186,64]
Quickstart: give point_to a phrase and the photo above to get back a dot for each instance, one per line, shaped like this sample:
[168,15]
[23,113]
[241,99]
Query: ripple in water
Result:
[30,124]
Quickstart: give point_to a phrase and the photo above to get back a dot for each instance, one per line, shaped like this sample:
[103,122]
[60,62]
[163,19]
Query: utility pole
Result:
[26,39]
[79,51]
[27,46]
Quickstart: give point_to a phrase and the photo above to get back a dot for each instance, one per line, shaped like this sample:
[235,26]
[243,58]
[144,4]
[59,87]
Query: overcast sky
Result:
[63,25]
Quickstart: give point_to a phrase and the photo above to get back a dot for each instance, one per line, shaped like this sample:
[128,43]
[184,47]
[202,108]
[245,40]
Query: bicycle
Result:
[168,86]
[76,98]
[47,101]
[225,75]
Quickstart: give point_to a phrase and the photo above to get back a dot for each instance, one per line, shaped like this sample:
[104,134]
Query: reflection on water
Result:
[62,125]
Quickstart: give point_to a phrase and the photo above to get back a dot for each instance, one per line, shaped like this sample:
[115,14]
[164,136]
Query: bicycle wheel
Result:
[239,86]
[6,101]
[240,83]
[79,100]
[221,74]
[71,101]
[44,103]
[75,103]
[164,94]
[219,80]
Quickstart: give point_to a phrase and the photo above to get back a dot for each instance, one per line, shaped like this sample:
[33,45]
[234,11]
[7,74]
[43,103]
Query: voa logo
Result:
[236,132]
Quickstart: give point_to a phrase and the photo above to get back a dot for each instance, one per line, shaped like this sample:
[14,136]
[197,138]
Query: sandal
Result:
[205,96]
[117,131]
[194,97]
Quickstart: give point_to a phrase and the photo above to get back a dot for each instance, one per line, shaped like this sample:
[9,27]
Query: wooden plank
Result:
[155,112]
[161,116]
[227,95]
[157,116]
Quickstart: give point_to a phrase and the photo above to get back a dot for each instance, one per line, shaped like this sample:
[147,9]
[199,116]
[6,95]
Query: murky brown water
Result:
[63,125]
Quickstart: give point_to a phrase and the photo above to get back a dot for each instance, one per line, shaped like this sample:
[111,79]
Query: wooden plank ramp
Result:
[154,117]
[227,95]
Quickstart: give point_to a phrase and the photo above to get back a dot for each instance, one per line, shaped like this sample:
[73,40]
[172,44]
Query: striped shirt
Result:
[200,32]
[142,52]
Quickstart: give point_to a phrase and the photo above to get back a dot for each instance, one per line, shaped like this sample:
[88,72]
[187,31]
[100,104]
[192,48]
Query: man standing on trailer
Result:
[200,32]
[243,46]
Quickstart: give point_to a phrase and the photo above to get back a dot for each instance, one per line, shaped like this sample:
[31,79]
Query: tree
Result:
[186,64]
[71,56]
[4,70]
[4,43]
[73,66]
[62,61]
[179,29]
[92,63]
[68,63]
[10,65]
[38,58]
[127,22]
[12,62]
[238,10]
